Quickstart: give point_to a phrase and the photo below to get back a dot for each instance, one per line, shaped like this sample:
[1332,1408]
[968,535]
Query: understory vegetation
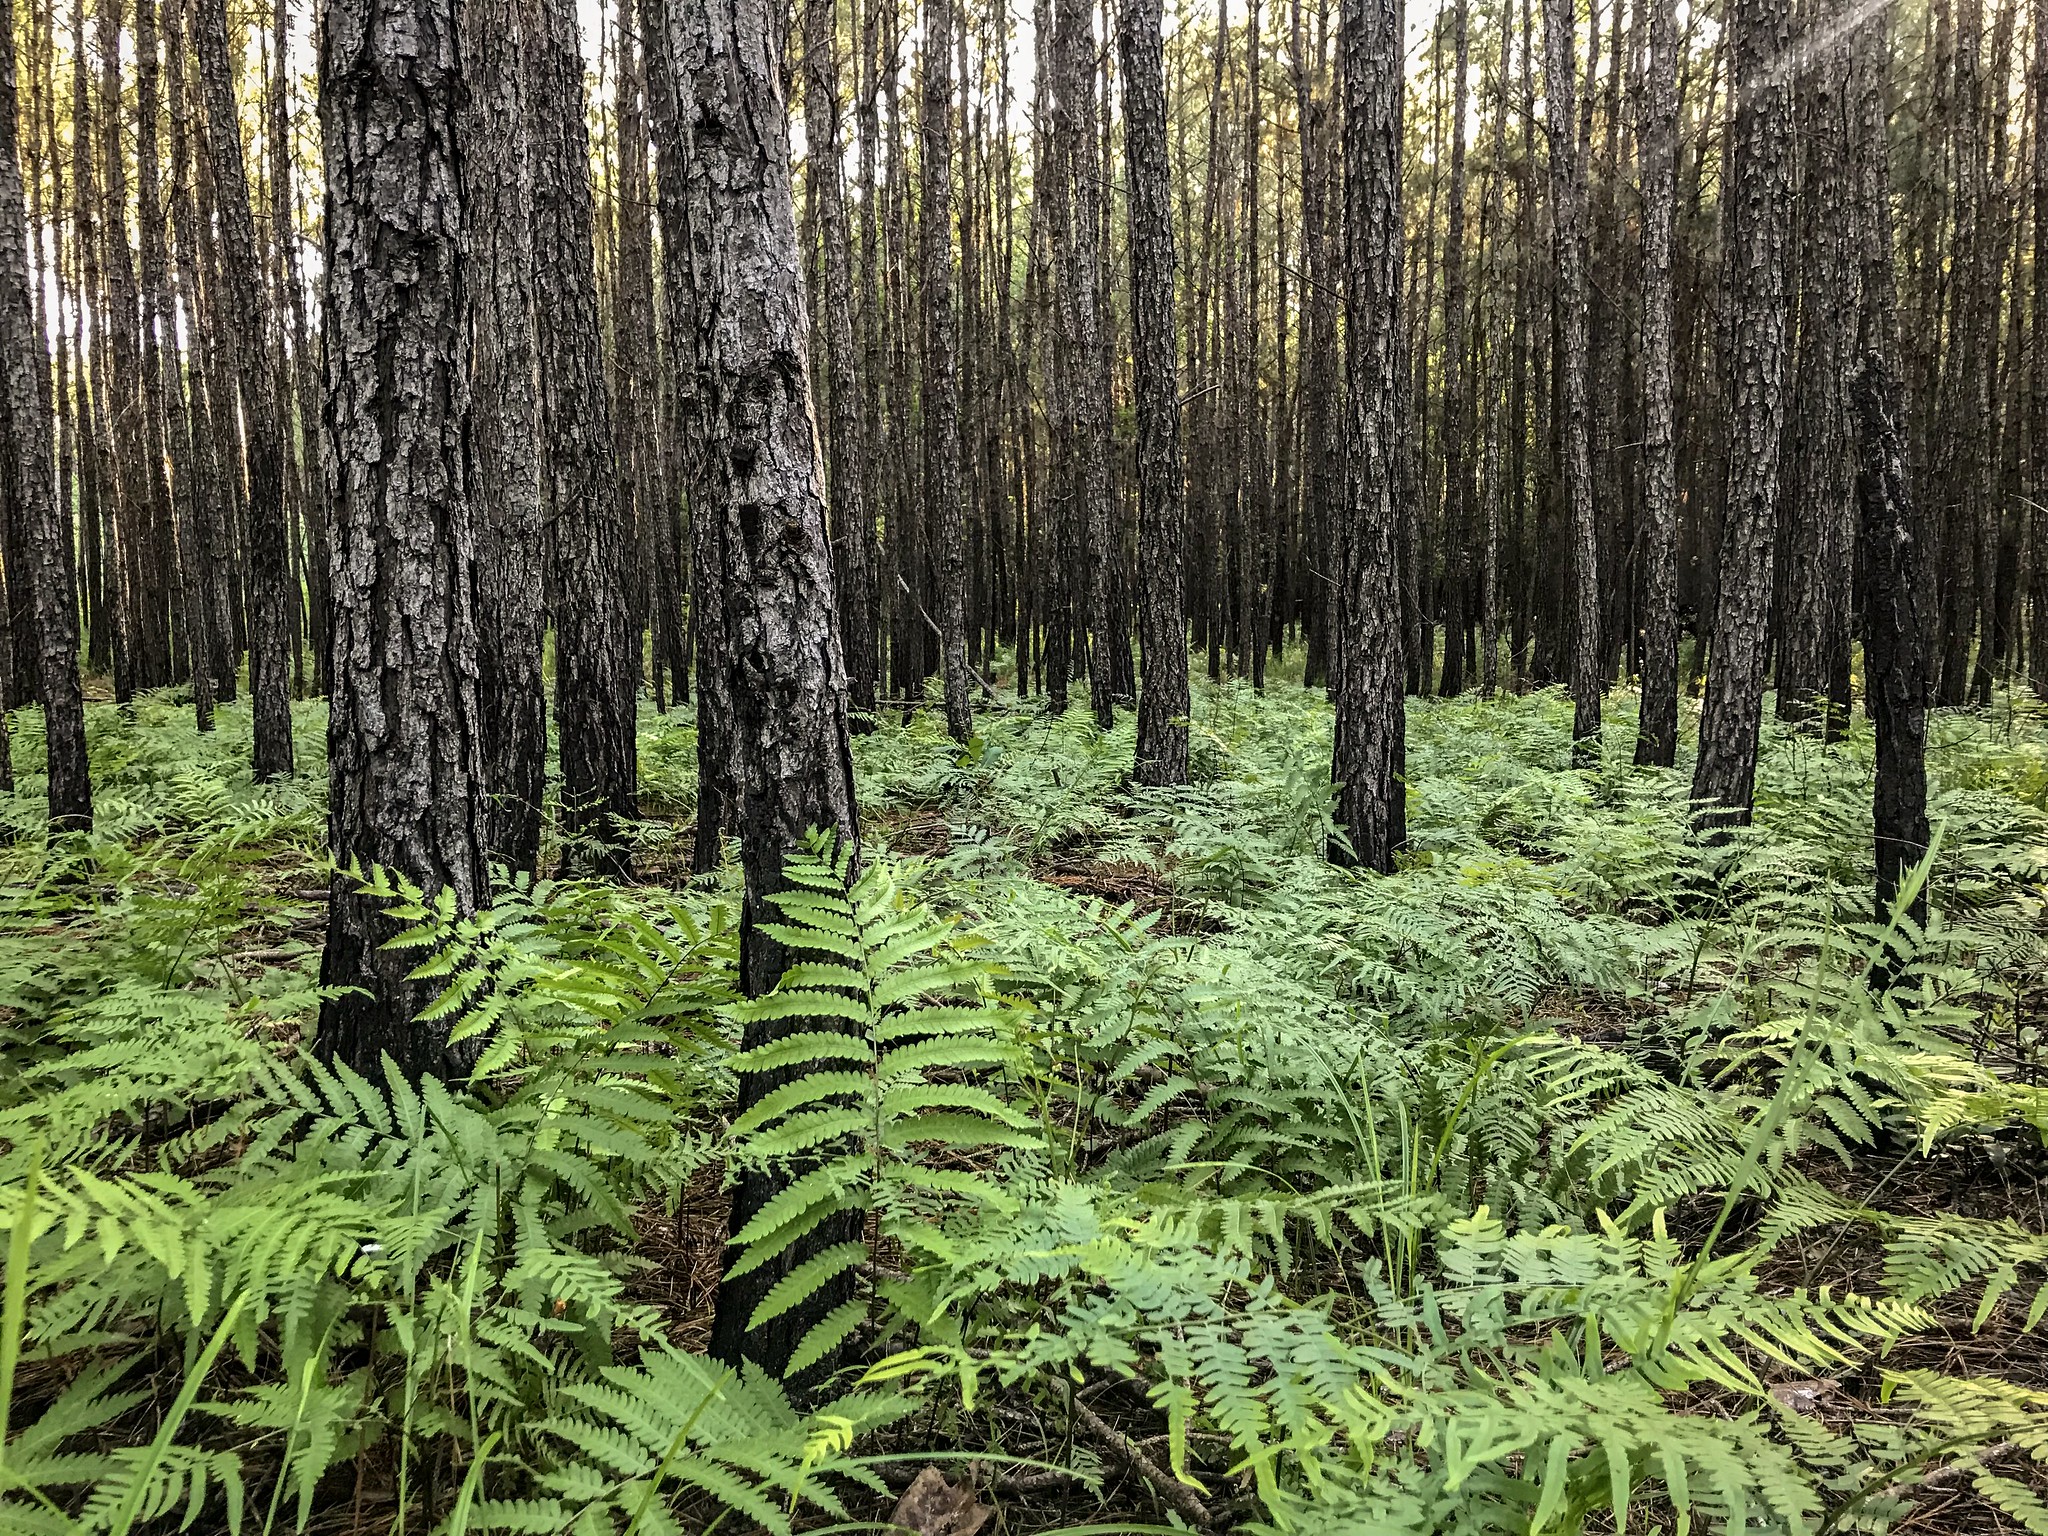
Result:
[1577,1177]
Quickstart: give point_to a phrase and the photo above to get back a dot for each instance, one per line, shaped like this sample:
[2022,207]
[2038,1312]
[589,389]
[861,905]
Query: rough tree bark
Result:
[1568,237]
[1758,196]
[247,326]
[595,668]
[945,516]
[504,424]
[1897,622]
[404,743]
[1657,719]
[1162,751]
[30,487]
[2037,575]
[759,490]
[1370,756]
[845,440]
[1457,498]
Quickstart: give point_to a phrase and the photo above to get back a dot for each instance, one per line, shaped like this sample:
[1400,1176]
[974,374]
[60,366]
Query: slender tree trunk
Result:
[1457,497]
[945,513]
[29,485]
[1657,721]
[1568,234]
[846,441]
[247,324]
[1370,757]
[1759,196]
[760,488]
[2037,574]
[595,668]
[1896,621]
[404,743]
[504,424]
[1162,751]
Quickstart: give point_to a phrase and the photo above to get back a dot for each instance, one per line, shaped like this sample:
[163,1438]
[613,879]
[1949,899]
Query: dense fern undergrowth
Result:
[1574,1178]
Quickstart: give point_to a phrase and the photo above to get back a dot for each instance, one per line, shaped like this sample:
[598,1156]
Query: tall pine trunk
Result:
[595,668]
[30,485]
[759,489]
[404,744]
[1758,246]
[1369,760]
[504,425]
[1162,750]
[1568,236]
[1657,719]
[247,324]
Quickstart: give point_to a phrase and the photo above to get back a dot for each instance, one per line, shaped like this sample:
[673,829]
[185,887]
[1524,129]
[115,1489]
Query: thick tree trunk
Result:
[759,489]
[1162,751]
[1657,720]
[1759,197]
[247,325]
[1370,756]
[1568,235]
[504,424]
[595,668]
[945,515]
[404,741]
[30,490]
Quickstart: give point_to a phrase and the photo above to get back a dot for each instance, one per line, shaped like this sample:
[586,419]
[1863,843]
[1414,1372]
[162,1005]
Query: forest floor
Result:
[1574,1176]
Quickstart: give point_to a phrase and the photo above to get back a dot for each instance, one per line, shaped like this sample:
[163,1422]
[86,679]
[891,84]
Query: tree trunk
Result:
[1457,497]
[504,425]
[405,747]
[945,515]
[1896,627]
[1162,751]
[1568,235]
[29,484]
[1758,195]
[595,668]
[246,323]
[1657,719]
[1370,757]
[846,442]
[759,488]
[2037,574]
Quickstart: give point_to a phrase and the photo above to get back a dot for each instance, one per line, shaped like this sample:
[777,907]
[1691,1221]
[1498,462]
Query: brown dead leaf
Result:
[931,1506]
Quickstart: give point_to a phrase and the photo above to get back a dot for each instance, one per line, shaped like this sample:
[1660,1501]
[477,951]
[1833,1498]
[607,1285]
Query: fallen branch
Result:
[1178,1495]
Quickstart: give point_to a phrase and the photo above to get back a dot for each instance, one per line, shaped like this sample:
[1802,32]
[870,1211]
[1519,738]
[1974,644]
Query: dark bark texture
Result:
[404,743]
[1162,750]
[758,492]
[1369,760]
[1758,250]
[505,470]
[30,488]
[596,669]
[247,326]
[1657,719]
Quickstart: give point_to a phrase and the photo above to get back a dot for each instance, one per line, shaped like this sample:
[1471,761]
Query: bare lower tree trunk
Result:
[759,488]
[25,445]
[504,425]
[846,445]
[405,748]
[1568,235]
[247,323]
[945,515]
[1657,720]
[1759,197]
[595,668]
[1897,624]
[1457,498]
[1370,757]
[2037,573]
[1162,751]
